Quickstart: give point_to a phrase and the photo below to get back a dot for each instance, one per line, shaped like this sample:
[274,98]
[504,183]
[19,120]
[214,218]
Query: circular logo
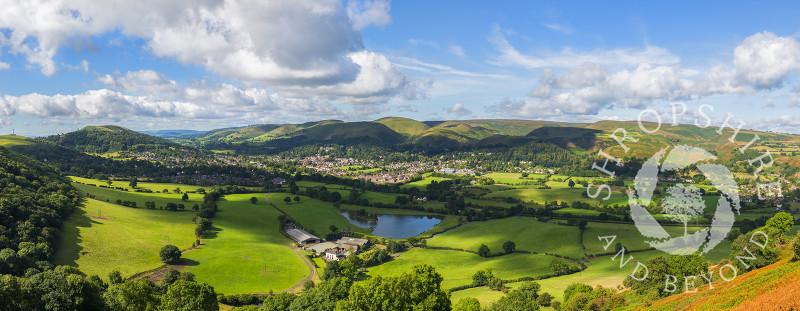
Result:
[682,202]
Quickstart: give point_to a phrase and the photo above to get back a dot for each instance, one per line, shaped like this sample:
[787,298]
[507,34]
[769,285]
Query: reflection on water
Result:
[394,226]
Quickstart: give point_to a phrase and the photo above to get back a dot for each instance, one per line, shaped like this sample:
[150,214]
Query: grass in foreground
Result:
[527,233]
[245,240]
[101,237]
[458,267]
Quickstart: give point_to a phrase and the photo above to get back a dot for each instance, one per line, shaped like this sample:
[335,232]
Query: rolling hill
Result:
[109,138]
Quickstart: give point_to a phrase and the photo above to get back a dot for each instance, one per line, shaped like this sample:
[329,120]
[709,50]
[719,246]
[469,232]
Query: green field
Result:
[627,234]
[561,194]
[422,183]
[383,210]
[507,178]
[14,140]
[485,295]
[599,271]
[457,267]
[527,233]
[161,199]
[449,222]
[141,185]
[244,239]
[317,216]
[576,212]
[101,237]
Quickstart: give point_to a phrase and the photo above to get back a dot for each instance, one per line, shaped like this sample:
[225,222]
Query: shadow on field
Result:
[212,232]
[189,262]
[69,249]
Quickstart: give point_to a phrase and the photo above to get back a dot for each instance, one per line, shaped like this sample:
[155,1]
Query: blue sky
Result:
[210,64]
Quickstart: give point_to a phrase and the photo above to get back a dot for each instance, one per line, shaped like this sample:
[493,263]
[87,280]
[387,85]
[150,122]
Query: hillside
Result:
[109,138]
[14,140]
[773,287]
[405,126]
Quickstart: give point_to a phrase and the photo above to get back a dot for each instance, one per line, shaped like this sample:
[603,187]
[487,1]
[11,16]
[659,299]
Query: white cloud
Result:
[567,57]
[764,59]
[418,65]
[769,103]
[311,45]
[559,28]
[4,66]
[371,12]
[761,61]
[150,94]
[458,109]
[457,50]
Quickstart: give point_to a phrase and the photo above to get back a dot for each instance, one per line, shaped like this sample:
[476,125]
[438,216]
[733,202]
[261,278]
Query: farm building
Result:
[336,253]
[302,237]
[320,248]
[352,241]
[278,181]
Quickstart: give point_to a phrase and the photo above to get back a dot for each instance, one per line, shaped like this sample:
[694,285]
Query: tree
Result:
[115,277]
[419,290]
[253,200]
[467,304]
[559,267]
[571,183]
[132,295]
[287,200]
[782,221]
[296,199]
[484,251]
[323,296]
[582,224]
[185,197]
[133,183]
[796,247]
[279,302]
[333,228]
[170,254]
[683,204]
[482,277]
[189,296]
[509,247]
[177,190]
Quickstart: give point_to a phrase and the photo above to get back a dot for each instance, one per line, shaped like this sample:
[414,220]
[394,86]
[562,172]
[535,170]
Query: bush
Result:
[484,251]
[796,247]
[170,254]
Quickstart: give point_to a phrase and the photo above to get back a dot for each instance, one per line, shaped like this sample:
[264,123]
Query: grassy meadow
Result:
[527,233]
[245,239]
[100,237]
[314,214]
[457,267]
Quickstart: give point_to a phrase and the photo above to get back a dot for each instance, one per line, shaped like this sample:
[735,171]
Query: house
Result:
[335,253]
[278,181]
[353,241]
[302,237]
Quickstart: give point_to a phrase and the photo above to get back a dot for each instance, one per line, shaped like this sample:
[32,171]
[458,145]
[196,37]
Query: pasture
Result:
[527,233]
[100,237]
[457,267]
[245,251]
[161,199]
[317,216]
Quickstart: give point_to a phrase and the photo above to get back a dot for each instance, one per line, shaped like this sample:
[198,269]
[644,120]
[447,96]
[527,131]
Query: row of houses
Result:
[338,250]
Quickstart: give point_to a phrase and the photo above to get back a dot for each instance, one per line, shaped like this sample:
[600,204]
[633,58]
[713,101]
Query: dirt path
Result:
[311,267]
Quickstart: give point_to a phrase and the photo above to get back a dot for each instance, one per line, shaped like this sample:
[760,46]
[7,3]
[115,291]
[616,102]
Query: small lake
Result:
[395,226]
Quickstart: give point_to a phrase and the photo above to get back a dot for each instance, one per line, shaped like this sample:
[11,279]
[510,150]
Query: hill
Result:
[14,140]
[109,138]
[405,126]
[173,133]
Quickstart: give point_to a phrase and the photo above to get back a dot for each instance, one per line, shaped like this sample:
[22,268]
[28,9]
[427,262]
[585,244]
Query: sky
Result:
[206,64]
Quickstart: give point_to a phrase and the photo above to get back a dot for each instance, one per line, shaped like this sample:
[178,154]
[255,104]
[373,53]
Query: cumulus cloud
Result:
[458,109]
[764,59]
[769,103]
[4,66]
[795,101]
[761,61]
[313,46]
[146,93]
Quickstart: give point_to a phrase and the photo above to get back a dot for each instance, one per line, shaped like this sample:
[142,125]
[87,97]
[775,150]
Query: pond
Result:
[395,226]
